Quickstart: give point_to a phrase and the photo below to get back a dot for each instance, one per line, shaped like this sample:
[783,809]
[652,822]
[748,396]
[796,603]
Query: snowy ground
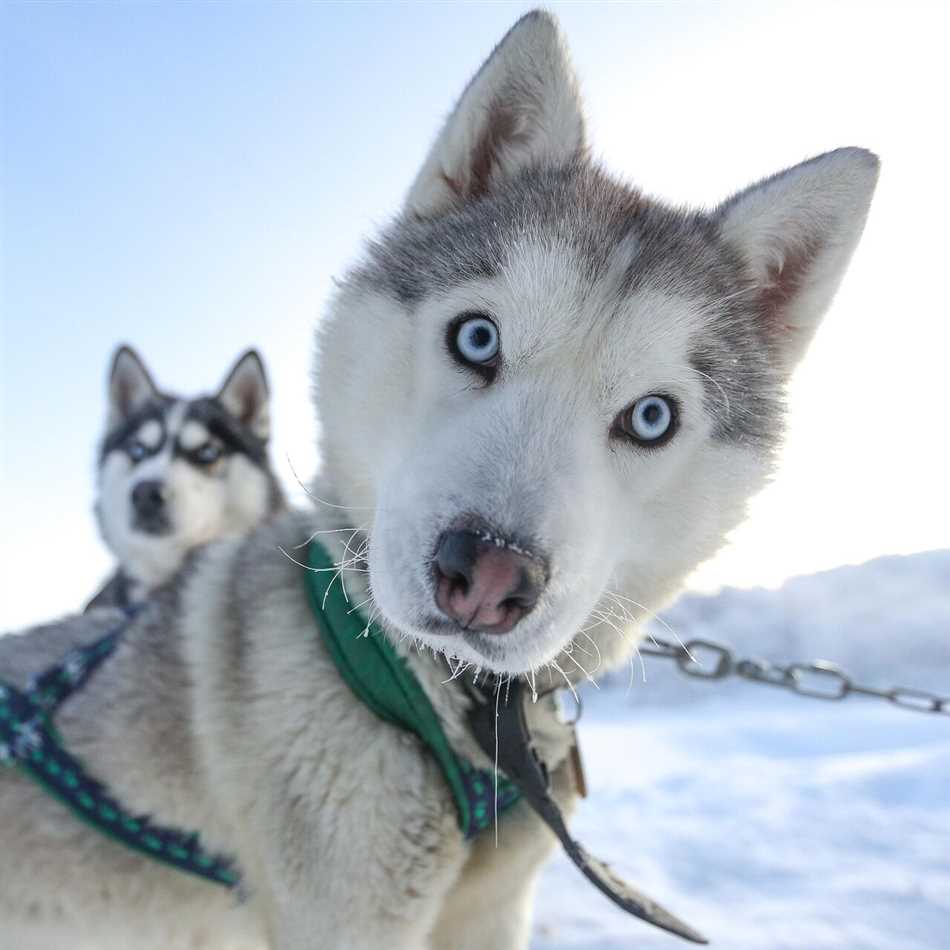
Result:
[766,820]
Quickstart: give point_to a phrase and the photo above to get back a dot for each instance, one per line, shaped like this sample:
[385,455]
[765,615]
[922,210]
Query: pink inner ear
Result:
[246,395]
[249,393]
[121,397]
[501,131]
[784,283]
[123,390]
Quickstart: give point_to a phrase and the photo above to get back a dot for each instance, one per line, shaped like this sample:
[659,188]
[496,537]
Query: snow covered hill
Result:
[769,821]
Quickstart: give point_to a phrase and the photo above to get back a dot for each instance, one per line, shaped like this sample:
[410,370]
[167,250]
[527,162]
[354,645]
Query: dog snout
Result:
[484,583]
[149,500]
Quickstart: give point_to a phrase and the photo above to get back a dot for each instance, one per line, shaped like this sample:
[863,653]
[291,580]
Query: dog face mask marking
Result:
[176,473]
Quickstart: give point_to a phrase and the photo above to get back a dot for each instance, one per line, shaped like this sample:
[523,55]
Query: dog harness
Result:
[368,664]
[29,740]
[380,678]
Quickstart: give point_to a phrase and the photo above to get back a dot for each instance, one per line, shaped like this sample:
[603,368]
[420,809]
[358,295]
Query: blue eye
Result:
[476,340]
[207,453]
[136,451]
[650,420]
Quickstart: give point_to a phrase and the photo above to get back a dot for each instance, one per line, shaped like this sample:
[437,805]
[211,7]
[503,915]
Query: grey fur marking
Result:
[582,207]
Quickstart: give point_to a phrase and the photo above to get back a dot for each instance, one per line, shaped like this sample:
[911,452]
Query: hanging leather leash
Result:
[501,730]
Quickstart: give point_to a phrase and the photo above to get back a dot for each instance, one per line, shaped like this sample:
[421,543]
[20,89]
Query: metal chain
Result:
[708,660]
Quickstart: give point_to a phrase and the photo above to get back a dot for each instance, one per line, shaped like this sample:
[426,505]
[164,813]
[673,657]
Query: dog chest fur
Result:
[223,713]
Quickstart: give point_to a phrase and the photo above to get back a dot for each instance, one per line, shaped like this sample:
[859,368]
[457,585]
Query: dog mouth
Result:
[435,626]
[446,636]
[155,526]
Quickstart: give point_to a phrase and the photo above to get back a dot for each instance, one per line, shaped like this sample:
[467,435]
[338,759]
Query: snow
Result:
[767,820]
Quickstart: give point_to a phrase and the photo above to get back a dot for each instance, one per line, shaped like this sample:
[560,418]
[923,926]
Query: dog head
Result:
[547,397]
[176,473]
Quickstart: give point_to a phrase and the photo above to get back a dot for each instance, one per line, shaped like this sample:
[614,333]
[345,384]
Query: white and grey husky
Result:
[176,473]
[545,398]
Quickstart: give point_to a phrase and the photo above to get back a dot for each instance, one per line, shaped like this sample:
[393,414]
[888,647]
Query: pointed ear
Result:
[521,108]
[796,232]
[246,396]
[130,385]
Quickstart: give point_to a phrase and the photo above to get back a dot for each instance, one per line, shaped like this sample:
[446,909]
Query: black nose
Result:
[148,500]
[486,583]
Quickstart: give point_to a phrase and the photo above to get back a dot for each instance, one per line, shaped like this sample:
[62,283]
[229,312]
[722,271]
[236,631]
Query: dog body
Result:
[544,399]
[221,712]
[174,473]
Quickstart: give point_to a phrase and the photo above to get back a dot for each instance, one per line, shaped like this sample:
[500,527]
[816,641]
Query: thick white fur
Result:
[533,457]
[225,714]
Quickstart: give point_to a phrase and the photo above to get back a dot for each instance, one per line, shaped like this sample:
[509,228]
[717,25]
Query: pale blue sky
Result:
[188,178]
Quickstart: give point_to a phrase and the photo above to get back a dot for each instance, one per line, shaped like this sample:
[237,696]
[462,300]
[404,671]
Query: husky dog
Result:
[176,473]
[544,398]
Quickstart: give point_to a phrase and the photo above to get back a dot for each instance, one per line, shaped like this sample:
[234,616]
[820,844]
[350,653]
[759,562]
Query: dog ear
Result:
[521,108]
[130,385]
[245,394]
[796,232]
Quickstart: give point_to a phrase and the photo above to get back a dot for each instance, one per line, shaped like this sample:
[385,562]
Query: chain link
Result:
[708,660]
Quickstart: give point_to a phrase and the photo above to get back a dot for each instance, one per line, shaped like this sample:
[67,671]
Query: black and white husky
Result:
[176,473]
[544,399]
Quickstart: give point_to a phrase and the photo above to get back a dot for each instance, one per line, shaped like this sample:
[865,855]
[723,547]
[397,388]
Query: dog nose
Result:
[148,499]
[486,584]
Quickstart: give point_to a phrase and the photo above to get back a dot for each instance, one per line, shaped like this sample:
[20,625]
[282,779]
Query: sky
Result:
[190,177]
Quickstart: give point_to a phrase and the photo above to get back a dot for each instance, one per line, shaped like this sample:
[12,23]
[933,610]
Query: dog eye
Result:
[651,420]
[206,454]
[473,339]
[136,451]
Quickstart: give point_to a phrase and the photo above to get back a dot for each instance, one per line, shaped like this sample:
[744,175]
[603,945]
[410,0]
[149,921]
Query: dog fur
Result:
[221,710]
[155,442]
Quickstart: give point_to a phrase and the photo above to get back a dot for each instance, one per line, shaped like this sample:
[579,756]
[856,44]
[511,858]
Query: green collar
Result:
[382,679]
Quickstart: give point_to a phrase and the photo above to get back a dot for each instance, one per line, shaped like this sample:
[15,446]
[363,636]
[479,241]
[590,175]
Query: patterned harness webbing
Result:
[29,740]
[381,678]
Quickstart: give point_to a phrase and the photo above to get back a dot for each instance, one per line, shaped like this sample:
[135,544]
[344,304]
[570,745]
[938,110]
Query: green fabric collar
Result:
[382,679]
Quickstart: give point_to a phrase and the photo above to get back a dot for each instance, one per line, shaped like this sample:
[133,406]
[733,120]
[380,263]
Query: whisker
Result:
[715,382]
[655,616]
[567,679]
[587,675]
[317,570]
[315,534]
[593,643]
[497,696]
[462,666]
[356,607]
[534,686]
[322,501]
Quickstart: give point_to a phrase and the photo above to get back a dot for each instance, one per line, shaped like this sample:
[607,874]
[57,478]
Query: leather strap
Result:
[501,729]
